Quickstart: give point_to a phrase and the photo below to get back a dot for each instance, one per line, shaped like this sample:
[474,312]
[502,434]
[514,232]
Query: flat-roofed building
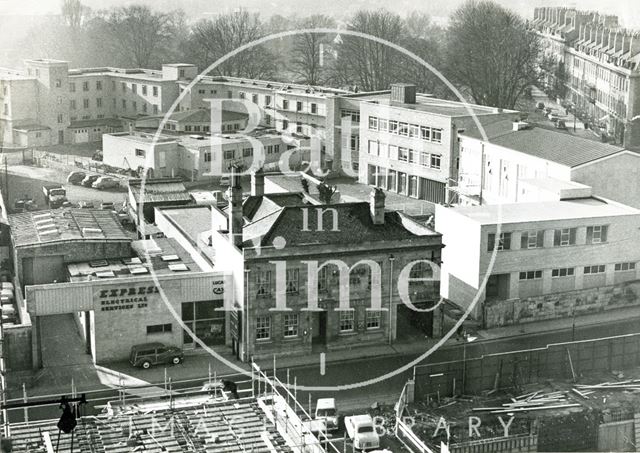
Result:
[553,259]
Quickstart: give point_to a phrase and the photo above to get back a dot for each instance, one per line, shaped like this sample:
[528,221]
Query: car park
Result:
[148,354]
[76,177]
[89,180]
[105,182]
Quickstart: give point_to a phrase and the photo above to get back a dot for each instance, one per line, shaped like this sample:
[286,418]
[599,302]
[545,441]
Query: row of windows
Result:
[291,323]
[430,134]
[535,239]
[403,154]
[85,103]
[230,154]
[570,271]
[414,186]
[313,107]
[134,87]
[254,97]
[134,106]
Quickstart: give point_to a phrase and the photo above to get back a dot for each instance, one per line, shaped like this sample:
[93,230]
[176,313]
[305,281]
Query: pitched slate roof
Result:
[548,144]
[39,227]
[354,226]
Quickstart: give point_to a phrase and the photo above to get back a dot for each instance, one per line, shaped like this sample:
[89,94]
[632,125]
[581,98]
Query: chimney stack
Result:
[235,214]
[257,183]
[376,206]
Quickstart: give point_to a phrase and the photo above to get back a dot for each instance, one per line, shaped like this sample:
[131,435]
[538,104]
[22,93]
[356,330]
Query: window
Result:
[254,98]
[323,279]
[267,119]
[144,107]
[134,87]
[85,86]
[155,108]
[181,73]
[436,135]
[563,272]
[373,123]
[393,152]
[134,106]
[72,104]
[424,159]
[620,267]
[373,148]
[85,103]
[383,125]
[60,118]
[563,237]
[113,85]
[314,108]
[393,127]
[155,91]
[99,85]
[140,152]
[402,183]
[247,152]
[229,154]
[99,102]
[403,154]
[298,106]
[354,114]
[269,149]
[299,127]
[425,133]
[196,128]
[263,327]
[124,87]
[412,156]
[346,321]
[285,104]
[435,161]
[596,234]
[373,319]
[414,130]
[598,269]
[72,87]
[532,240]
[291,325]
[263,283]
[413,186]
[530,275]
[124,104]
[267,100]
[292,281]
[276,149]
[159,328]
[403,129]
[207,156]
[285,125]
[504,243]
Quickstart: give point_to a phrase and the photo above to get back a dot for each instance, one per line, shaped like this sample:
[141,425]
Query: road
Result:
[353,372]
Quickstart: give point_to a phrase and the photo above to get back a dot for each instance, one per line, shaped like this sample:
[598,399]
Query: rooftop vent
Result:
[105,274]
[98,263]
[134,260]
[181,267]
[403,92]
[170,258]
[138,270]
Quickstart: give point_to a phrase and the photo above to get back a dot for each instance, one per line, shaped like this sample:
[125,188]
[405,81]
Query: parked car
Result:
[76,177]
[361,431]
[107,206]
[105,182]
[148,354]
[85,205]
[326,410]
[89,180]
[55,195]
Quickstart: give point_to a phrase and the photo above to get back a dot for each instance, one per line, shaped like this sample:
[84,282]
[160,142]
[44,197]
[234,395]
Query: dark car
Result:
[76,177]
[148,354]
[89,180]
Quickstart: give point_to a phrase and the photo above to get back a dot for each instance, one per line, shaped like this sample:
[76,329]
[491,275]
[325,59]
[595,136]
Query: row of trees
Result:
[486,51]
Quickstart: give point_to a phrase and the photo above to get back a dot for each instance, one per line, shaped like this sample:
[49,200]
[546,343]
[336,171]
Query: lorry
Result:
[326,411]
[361,431]
[55,195]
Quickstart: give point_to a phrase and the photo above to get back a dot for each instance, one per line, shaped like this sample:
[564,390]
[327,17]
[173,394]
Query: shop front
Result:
[117,313]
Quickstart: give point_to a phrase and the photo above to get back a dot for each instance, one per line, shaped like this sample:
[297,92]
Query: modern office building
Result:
[553,259]
[599,63]
[409,142]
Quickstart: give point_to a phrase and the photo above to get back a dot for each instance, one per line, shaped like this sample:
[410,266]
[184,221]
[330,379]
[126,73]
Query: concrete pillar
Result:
[514,285]
[579,277]
[36,343]
[546,281]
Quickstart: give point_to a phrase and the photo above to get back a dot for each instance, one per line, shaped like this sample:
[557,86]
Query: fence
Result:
[403,431]
[517,368]
[514,444]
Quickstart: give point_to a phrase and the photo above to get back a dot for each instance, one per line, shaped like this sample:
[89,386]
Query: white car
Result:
[327,412]
[105,182]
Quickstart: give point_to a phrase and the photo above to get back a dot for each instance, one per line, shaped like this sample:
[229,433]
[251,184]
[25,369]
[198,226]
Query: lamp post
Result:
[390,327]
[467,339]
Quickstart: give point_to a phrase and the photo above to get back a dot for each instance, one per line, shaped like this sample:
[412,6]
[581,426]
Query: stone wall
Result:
[560,305]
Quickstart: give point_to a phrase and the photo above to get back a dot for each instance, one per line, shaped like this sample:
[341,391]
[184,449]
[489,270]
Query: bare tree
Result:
[366,63]
[139,34]
[306,60]
[491,54]
[74,13]
[212,39]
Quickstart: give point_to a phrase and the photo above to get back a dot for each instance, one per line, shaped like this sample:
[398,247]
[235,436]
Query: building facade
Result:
[541,260]
[599,66]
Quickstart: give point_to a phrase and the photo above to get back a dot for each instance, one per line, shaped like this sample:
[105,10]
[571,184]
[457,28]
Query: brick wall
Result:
[17,347]
[560,305]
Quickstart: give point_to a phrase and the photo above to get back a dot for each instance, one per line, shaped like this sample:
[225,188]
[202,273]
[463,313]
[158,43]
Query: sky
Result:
[627,10]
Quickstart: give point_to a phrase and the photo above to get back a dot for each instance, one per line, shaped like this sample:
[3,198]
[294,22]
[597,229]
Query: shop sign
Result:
[125,298]
[218,286]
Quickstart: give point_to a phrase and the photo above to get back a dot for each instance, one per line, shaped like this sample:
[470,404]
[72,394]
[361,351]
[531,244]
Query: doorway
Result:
[497,287]
[319,328]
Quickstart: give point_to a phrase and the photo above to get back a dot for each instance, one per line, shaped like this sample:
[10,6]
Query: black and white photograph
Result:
[303,226]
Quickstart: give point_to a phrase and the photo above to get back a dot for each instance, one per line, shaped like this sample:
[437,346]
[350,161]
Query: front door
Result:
[319,336]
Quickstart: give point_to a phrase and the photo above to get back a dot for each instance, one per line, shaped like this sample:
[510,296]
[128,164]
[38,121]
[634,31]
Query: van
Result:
[326,411]
[147,354]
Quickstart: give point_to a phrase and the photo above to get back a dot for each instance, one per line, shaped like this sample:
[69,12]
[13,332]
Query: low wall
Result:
[16,345]
[560,305]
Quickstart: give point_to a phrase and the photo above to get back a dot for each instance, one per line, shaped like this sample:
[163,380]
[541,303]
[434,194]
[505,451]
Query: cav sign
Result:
[218,286]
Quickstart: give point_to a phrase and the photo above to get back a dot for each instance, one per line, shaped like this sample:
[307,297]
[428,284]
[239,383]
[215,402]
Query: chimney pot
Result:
[257,183]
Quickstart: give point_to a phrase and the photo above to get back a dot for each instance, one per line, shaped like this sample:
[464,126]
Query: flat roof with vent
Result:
[30,229]
[151,258]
